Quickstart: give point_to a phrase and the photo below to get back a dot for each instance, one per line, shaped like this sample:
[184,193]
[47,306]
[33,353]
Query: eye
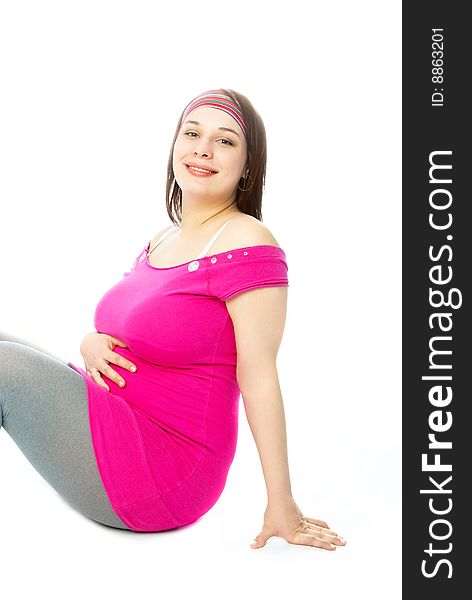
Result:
[222,139]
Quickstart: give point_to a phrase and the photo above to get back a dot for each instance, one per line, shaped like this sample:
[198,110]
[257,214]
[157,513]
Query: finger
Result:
[260,540]
[121,361]
[339,541]
[95,375]
[329,536]
[118,342]
[316,522]
[324,533]
[306,539]
[113,375]
[317,528]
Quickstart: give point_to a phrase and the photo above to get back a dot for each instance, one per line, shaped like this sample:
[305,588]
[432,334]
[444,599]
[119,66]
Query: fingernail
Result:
[121,383]
[133,369]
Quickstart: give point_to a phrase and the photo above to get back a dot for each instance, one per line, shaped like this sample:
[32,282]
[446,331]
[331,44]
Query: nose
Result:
[201,147]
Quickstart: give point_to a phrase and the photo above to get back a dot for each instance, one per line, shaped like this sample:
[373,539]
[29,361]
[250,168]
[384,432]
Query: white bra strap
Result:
[204,252]
[164,235]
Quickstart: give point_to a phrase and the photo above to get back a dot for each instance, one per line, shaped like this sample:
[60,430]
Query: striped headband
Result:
[216,99]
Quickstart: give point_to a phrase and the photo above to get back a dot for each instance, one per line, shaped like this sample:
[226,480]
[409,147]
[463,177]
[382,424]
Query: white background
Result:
[91,95]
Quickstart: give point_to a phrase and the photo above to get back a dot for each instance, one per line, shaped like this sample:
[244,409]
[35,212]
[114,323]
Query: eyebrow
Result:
[223,128]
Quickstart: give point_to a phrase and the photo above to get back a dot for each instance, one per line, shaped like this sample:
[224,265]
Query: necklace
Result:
[220,211]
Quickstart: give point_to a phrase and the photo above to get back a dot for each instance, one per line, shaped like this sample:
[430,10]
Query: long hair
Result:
[249,202]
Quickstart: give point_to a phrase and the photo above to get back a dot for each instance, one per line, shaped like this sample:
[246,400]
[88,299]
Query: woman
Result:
[146,445]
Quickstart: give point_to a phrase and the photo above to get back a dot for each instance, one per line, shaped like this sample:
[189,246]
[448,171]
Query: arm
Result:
[259,320]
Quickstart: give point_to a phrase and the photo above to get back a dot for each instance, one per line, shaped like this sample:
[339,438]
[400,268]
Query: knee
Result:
[13,363]
[9,372]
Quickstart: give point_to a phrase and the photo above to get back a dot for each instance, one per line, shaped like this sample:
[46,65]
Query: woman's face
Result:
[217,149]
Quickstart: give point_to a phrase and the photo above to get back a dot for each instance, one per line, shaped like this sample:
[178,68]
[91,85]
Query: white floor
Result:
[94,92]
[47,547]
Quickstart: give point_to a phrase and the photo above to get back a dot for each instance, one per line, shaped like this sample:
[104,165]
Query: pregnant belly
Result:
[176,399]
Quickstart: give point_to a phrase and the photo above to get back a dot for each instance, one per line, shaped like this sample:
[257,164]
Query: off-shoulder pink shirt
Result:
[165,442]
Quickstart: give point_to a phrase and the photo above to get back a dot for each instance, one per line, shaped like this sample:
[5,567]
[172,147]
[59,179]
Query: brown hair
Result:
[250,201]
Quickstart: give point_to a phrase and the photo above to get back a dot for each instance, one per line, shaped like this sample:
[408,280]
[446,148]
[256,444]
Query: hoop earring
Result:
[250,187]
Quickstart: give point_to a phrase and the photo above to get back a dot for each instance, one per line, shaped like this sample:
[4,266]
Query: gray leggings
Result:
[44,409]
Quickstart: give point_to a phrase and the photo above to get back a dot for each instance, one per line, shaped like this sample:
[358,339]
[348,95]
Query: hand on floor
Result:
[284,519]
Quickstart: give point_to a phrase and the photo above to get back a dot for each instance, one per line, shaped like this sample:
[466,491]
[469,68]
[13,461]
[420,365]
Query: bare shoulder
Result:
[158,234]
[245,230]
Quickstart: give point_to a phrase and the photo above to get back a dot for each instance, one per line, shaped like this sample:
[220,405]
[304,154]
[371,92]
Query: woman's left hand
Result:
[284,519]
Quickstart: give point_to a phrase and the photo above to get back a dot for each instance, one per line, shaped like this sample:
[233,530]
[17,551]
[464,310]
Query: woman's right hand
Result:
[97,352]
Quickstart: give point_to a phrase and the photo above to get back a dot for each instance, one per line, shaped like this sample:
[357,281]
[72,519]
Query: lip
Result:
[200,166]
[197,173]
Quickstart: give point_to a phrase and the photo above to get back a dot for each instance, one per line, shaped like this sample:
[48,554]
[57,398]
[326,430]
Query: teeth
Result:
[201,170]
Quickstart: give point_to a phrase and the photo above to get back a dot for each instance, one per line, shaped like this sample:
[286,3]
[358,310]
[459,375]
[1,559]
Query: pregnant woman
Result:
[143,437]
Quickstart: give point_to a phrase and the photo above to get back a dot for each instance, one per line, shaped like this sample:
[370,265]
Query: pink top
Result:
[165,442]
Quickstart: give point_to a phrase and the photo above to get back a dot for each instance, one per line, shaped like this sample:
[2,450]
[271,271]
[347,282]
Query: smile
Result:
[199,172]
